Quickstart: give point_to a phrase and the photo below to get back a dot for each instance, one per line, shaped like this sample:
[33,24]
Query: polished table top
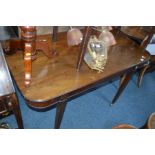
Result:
[55,77]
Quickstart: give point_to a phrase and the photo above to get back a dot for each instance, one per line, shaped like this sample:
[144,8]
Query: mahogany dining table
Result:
[55,80]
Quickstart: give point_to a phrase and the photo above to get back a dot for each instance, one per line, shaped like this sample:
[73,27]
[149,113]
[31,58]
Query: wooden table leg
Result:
[123,84]
[122,79]
[59,113]
[16,111]
[55,33]
[141,75]
[28,36]
[87,32]
[54,39]
[28,41]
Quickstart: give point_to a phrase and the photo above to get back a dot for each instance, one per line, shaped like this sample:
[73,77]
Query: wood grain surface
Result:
[55,77]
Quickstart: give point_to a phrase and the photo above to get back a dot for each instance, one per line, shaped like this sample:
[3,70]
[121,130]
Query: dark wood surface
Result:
[55,77]
[136,31]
